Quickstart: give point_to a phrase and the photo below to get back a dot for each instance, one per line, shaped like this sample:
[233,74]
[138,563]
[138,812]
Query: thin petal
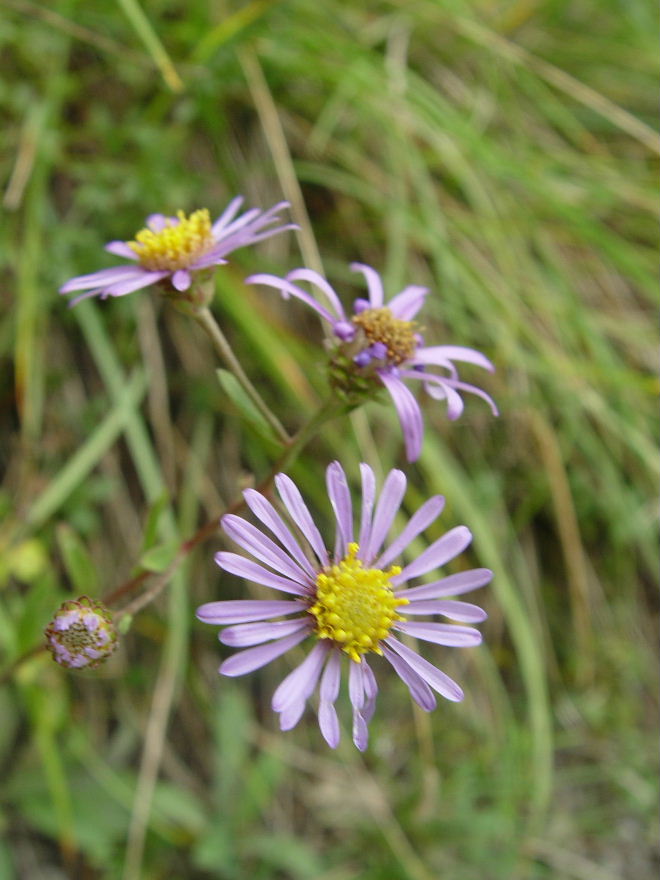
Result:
[406,304]
[328,692]
[319,281]
[256,633]
[453,585]
[427,513]
[254,658]
[356,693]
[227,215]
[340,498]
[102,278]
[292,499]
[264,510]
[121,249]
[409,413]
[181,280]
[368,496]
[419,690]
[370,691]
[374,284]
[441,633]
[246,610]
[435,556]
[438,680]
[439,388]
[440,354]
[122,288]
[252,571]
[299,684]
[260,546]
[463,611]
[386,509]
[287,289]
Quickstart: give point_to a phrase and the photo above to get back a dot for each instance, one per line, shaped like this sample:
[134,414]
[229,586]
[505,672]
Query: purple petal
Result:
[255,658]
[441,633]
[252,571]
[246,610]
[453,585]
[121,249]
[406,304]
[356,693]
[122,288]
[439,553]
[472,389]
[103,278]
[374,284]
[328,692]
[320,282]
[287,289]
[386,509]
[181,280]
[340,498]
[227,215]
[463,611]
[440,388]
[158,222]
[258,545]
[255,633]
[368,495]
[409,413]
[427,513]
[419,690]
[292,499]
[299,684]
[441,354]
[440,682]
[370,691]
[264,510]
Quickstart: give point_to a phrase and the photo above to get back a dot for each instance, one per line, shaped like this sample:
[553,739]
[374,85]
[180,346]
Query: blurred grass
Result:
[503,154]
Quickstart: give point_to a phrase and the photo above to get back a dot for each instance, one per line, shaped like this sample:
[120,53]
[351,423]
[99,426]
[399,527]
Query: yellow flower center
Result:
[177,245]
[355,606]
[399,337]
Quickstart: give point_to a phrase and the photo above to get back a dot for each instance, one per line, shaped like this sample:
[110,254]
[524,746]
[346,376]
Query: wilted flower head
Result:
[349,603]
[81,633]
[381,344]
[173,249]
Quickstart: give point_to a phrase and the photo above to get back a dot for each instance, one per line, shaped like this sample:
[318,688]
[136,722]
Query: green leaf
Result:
[158,558]
[78,563]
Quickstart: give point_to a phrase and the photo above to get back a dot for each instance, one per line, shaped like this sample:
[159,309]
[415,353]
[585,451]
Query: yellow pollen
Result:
[356,606]
[399,337]
[175,246]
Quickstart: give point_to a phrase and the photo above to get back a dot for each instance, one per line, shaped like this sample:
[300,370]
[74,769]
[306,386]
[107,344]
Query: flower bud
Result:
[81,633]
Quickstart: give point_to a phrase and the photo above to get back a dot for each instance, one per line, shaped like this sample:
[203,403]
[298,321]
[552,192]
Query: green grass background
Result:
[502,153]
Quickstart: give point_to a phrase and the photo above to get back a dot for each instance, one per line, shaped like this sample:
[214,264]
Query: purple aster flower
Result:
[174,248]
[380,342]
[350,603]
[81,633]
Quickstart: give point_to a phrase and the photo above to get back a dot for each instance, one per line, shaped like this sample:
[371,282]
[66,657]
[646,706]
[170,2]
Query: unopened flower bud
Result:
[81,633]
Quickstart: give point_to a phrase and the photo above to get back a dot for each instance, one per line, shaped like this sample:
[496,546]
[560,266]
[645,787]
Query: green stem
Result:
[205,319]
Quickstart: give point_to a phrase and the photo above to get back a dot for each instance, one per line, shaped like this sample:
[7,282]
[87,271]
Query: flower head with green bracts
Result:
[351,603]
[81,634]
[381,344]
[170,250]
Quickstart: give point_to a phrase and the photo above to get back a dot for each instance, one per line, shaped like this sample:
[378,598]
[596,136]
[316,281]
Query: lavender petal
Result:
[122,288]
[409,413]
[463,611]
[406,304]
[246,610]
[252,571]
[441,633]
[435,556]
[419,690]
[246,634]
[292,499]
[340,498]
[254,658]
[102,278]
[374,284]
[121,249]
[427,513]
[387,508]
[441,354]
[453,585]
[287,289]
[438,680]
[319,281]
[258,545]
[368,496]
[299,684]
[264,511]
